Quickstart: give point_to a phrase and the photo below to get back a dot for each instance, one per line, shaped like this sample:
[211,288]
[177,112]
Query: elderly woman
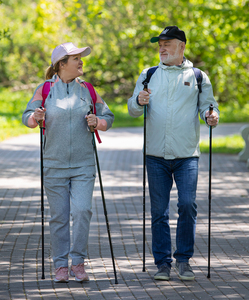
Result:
[69,165]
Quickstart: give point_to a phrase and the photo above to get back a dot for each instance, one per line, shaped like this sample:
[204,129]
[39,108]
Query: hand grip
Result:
[41,121]
[90,112]
[146,86]
[211,108]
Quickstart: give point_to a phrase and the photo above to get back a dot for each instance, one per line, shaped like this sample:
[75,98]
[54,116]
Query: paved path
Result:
[121,164]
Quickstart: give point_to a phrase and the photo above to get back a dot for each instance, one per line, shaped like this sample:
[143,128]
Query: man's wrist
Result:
[138,102]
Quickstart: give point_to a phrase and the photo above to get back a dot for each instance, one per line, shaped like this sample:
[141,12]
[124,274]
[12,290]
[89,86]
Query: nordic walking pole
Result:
[42,194]
[103,199]
[211,107]
[144,176]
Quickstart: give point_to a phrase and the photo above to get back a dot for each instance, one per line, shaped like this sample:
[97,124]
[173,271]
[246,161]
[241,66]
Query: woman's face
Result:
[73,67]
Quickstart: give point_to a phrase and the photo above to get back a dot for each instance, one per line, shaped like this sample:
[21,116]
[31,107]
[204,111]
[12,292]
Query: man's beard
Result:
[171,58]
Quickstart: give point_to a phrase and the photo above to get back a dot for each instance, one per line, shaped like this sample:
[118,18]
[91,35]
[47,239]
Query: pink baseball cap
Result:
[68,49]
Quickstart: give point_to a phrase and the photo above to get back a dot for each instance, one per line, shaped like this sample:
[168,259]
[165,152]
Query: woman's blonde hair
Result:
[51,70]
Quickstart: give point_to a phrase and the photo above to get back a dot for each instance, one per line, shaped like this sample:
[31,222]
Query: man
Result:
[172,149]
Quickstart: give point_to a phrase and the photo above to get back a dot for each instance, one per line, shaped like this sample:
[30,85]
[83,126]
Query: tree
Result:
[118,31]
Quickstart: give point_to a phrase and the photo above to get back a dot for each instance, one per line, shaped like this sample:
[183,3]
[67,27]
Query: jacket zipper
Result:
[70,129]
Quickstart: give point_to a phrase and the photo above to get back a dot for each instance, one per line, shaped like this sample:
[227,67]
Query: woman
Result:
[69,165]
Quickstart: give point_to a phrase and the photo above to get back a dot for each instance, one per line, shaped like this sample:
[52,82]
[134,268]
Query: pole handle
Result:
[91,112]
[211,108]
[146,86]
[91,129]
[41,121]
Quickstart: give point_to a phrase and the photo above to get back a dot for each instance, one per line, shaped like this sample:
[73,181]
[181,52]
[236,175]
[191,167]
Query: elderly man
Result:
[172,149]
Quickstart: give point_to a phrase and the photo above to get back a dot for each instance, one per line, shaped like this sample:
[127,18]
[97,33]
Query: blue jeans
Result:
[161,173]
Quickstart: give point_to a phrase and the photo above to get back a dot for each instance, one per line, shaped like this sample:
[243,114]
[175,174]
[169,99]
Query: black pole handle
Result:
[146,86]
[211,108]
[41,121]
[91,112]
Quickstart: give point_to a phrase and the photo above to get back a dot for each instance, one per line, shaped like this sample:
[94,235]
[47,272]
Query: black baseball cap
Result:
[169,33]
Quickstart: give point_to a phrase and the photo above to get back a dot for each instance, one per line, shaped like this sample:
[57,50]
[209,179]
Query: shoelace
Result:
[80,267]
[185,267]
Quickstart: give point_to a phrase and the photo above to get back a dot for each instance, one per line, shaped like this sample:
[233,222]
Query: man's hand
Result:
[144,97]
[212,119]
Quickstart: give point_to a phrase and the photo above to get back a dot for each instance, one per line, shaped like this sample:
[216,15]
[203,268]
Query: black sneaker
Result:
[163,273]
[184,271]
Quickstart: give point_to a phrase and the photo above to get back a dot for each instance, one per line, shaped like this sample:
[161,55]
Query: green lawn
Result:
[13,104]
[228,144]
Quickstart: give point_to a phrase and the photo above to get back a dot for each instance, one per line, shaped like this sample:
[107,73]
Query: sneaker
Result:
[79,272]
[61,274]
[184,271]
[163,273]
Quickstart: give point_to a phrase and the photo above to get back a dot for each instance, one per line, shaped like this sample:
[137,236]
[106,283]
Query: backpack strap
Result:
[150,72]
[198,76]
[94,98]
[45,91]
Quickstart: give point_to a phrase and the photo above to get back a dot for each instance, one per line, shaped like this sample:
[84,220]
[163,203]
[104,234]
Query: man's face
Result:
[171,51]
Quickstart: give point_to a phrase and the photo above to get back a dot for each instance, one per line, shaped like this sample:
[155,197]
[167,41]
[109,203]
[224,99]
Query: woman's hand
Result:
[39,114]
[92,120]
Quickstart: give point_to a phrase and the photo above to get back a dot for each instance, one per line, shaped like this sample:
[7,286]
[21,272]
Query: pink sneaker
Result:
[79,272]
[61,274]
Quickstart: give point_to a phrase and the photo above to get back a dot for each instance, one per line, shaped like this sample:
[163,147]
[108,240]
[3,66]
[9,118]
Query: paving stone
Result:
[120,157]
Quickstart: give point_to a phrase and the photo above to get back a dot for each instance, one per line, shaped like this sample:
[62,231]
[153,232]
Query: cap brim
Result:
[157,38]
[83,51]
[154,39]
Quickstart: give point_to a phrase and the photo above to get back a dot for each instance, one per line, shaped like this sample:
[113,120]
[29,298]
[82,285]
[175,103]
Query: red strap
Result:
[45,92]
[94,98]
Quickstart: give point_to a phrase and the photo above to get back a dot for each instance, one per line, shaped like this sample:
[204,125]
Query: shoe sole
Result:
[186,278]
[76,278]
[162,278]
[61,281]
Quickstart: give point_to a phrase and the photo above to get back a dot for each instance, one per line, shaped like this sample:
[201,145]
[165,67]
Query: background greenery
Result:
[118,31]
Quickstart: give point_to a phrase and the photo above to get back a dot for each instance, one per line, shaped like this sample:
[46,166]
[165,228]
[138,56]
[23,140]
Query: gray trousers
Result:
[69,191]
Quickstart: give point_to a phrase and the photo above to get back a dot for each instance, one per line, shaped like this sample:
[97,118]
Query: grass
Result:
[11,109]
[14,103]
[228,145]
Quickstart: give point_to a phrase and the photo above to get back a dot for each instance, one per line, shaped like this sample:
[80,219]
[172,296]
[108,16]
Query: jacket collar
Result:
[185,64]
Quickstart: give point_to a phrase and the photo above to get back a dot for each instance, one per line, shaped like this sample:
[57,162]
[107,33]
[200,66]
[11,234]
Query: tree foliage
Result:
[119,32]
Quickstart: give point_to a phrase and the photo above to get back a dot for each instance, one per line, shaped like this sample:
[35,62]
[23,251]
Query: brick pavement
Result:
[121,165]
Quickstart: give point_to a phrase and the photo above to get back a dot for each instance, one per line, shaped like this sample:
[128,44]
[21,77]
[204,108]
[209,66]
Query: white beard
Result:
[171,59]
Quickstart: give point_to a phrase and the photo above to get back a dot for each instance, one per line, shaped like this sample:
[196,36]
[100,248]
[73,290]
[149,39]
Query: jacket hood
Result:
[185,65]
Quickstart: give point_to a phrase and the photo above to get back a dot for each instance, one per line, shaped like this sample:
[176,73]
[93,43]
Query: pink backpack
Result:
[46,90]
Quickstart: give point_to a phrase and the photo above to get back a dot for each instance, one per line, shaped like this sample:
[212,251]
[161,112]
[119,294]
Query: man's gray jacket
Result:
[173,127]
